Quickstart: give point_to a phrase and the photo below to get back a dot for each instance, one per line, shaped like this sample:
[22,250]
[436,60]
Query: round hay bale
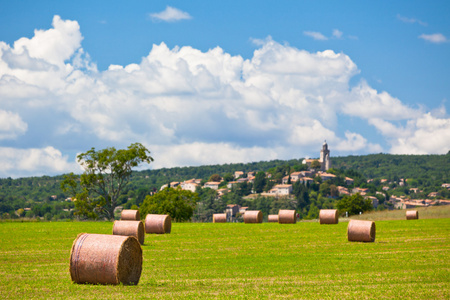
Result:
[361,231]
[159,224]
[328,216]
[412,215]
[253,216]
[272,218]
[286,216]
[219,218]
[105,259]
[130,214]
[130,228]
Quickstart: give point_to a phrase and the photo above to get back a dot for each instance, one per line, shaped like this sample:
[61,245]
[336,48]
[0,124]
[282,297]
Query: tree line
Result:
[43,196]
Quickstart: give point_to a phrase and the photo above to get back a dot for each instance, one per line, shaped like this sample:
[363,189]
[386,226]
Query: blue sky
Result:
[206,82]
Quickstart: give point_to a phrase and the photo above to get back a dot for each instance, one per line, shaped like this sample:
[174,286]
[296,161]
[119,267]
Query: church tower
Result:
[325,161]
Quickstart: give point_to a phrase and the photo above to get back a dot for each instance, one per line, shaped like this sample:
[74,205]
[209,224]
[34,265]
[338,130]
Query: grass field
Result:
[409,259]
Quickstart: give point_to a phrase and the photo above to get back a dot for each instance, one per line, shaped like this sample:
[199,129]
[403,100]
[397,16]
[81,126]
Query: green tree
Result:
[106,174]
[315,165]
[260,182]
[177,203]
[215,178]
[354,204]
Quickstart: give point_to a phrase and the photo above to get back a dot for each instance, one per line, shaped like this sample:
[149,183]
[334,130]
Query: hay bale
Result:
[328,216]
[286,216]
[159,224]
[130,214]
[272,218]
[253,216]
[219,218]
[130,228]
[105,259]
[361,231]
[412,215]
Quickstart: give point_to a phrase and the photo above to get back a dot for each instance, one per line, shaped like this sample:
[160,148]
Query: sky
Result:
[217,82]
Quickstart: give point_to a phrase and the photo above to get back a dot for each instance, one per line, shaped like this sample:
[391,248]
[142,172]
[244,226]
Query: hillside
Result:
[42,196]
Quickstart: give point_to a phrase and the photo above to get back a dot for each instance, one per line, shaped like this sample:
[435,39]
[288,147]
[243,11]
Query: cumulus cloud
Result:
[170,14]
[11,125]
[33,162]
[435,38]
[315,35]
[191,107]
[426,134]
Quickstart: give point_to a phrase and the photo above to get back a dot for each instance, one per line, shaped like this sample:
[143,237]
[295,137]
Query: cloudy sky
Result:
[213,82]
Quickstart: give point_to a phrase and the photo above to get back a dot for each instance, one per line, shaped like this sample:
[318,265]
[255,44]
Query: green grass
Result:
[409,259]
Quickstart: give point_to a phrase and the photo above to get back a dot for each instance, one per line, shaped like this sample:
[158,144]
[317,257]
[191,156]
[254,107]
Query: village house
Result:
[230,184]
[238,174]
[360,191]
[281,190]
[349,181]
[343,190]
[231,211]
[190,185]
[306,180]
[212,185]
[374,201]
[326,176]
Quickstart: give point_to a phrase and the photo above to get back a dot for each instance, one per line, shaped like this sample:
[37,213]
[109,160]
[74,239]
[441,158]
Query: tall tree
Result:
[177,203]
[260,182]
[106,173]
[354,204]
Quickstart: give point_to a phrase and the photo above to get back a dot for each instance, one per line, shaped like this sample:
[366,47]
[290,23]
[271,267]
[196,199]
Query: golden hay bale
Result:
[130,228]
[158,224]
[219,218]
[253,216]
[130,214]
[412,215]
[286,216]
[105,259]
[272,218]
[361,231]
[328,216]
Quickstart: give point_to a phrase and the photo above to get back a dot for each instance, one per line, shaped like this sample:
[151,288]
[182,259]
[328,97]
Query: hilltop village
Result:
[316,174]
[305,185]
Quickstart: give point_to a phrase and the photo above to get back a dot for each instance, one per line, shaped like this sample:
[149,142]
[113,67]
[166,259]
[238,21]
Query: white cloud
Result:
[427,134]
[170,14]
[315,35]
[11,125]
[435,38]
[337,33]
[367,103]
[189,107]
[32,162]
[410,20]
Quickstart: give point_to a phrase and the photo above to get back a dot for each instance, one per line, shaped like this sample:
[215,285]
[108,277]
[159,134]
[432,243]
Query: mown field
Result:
[409,259]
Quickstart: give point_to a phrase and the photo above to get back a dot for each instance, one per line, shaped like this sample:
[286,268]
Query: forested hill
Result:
[374,166]
[44,196]
[388,166]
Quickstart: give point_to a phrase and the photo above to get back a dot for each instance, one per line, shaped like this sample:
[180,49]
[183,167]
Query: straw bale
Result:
[361,231]
[130,214]
[130,228]
[105,259]
[272,218]
[286,216]
[158,224]
[219,218]
[328,216]
[412,215]
[253,216]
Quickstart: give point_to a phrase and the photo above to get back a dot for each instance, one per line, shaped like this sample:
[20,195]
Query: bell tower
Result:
[325,157]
